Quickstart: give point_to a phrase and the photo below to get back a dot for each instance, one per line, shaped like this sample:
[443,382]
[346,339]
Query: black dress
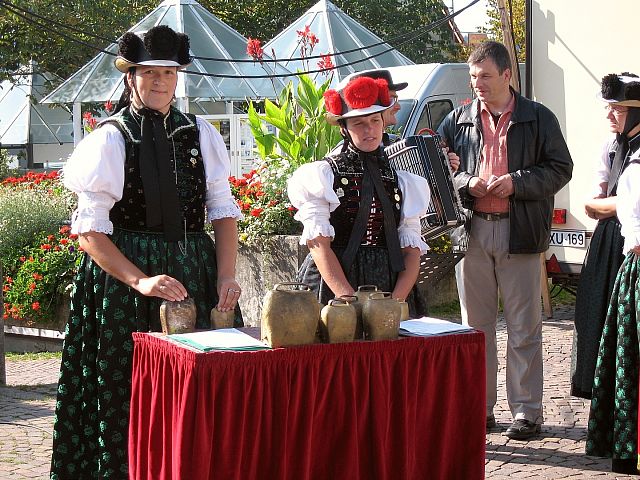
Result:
[90,438]
[597,278]
[371,265]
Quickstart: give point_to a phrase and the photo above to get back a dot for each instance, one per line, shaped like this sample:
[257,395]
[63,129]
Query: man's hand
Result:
[477,187]
[502,187]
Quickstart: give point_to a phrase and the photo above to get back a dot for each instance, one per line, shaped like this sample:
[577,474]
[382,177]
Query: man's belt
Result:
[491,217]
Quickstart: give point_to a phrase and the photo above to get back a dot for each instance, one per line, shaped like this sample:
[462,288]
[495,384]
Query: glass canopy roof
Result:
[99,81]
[336,32]
[23,120]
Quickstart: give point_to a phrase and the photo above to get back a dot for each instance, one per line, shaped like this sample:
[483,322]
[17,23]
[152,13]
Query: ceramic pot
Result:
[362,295]
[381,317]
[290,315]
[404,310]
[221,319]
[338,321]
[178,317]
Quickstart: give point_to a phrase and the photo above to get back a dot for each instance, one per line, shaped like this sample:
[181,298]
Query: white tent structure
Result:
[337,33]
[202,85]
[45,132]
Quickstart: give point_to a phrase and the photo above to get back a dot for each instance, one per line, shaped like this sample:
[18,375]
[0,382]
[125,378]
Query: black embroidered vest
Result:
[348,172]
[183,134]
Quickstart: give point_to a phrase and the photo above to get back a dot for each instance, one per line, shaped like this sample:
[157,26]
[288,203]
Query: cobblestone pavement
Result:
[26,415]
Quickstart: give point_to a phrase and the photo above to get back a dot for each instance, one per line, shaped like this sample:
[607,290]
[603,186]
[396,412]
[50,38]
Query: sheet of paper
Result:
[425,326]
[222,339]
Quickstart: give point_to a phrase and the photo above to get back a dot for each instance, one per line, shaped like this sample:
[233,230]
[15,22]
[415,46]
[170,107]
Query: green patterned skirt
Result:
[90,437]
[613,418]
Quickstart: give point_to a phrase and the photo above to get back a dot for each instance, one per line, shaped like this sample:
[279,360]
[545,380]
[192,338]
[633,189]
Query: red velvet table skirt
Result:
[412,408]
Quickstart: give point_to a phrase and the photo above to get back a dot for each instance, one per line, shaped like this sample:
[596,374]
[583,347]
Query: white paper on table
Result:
[221,339]
[425,326]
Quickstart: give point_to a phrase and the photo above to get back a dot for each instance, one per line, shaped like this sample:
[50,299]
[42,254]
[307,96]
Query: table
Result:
[412,408]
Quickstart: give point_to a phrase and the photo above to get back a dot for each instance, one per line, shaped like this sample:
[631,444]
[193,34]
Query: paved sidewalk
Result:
[27,404]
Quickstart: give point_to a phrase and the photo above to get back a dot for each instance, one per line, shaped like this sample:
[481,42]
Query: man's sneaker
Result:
[491,421]
[522,429]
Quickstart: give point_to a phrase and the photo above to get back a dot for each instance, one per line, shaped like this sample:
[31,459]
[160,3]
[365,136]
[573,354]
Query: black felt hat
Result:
[160,46]
[623,89]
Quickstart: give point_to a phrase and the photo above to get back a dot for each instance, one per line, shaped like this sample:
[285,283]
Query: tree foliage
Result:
[102,21]
[517,20]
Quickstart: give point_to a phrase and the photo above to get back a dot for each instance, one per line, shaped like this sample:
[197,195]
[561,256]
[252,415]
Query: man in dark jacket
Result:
[513,159]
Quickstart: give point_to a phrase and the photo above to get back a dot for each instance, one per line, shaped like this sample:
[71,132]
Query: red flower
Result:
[50,238]
[304,33]
[9,280]
[361,92]
[73,236]
[45,246]
[35,306]
[37,276]
[313,40]
[254,48]
[56,248]
[108,106]
[65,229]
[63,241]
[256,212]
[22,259]
[87,116]
[326,62]
[333,102]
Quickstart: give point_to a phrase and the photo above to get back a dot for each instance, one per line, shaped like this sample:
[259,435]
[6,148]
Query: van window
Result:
[433,114]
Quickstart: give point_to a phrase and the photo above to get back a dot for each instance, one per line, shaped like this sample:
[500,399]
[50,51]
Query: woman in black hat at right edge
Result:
[613,418]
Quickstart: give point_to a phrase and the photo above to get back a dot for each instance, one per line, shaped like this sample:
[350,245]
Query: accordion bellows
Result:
[423,156]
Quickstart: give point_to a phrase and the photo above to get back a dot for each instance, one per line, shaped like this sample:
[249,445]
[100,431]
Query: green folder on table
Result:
[229,339]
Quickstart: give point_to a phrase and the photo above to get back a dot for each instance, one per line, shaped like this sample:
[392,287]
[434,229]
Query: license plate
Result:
[568,238]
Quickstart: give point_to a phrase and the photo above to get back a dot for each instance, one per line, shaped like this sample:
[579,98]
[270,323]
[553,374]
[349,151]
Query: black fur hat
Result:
[160,46]
[623,89]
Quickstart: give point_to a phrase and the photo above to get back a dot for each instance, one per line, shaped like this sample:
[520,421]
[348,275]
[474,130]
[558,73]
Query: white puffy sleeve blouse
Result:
[628,204]
[310,190]
[95,172]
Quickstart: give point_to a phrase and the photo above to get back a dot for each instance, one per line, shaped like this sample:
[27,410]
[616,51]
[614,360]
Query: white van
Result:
[434,90]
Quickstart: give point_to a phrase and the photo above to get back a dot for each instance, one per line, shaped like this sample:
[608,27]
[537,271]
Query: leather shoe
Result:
[491,421]
[522,429]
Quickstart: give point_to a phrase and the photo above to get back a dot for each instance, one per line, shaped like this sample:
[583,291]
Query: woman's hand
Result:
[228,294]
[163,286]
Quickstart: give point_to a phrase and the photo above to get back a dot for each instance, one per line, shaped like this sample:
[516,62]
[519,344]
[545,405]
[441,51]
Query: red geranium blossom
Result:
[326,63]
[35,306]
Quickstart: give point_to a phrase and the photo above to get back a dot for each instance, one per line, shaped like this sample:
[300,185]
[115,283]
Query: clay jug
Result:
[404,310]
[338,321]
[221,319]
[362,295]
[381,317]
[290,315]
[178,317]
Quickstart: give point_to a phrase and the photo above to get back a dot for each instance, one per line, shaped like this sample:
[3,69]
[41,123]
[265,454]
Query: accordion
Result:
[423,156]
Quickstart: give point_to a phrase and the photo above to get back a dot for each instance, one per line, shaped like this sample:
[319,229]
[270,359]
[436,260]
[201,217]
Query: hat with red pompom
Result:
[360,97]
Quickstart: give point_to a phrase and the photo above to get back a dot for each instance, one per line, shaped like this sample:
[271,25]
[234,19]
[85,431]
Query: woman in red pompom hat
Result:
[361,217]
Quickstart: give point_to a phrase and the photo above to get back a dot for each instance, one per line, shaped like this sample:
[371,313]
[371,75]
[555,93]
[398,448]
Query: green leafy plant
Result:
[288,134]
[38,255]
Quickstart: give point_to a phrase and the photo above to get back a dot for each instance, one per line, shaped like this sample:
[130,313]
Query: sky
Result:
[471,19]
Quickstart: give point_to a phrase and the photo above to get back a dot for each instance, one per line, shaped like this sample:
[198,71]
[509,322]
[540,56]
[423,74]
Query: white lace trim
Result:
[227,211]
[317,230]
[409,238]
[83,224]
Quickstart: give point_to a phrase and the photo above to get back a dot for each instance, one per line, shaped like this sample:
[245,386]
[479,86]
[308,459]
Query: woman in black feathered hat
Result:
[606,338]
[147,180]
